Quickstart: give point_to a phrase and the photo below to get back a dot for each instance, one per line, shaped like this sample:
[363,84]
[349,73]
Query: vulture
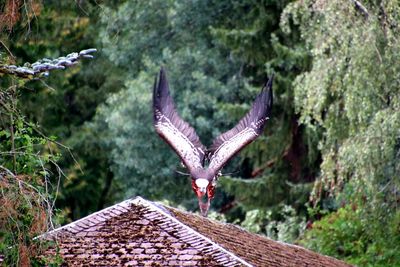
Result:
[186,143]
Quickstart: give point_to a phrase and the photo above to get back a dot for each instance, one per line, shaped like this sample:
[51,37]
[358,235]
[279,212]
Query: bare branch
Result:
[8,50]
[42,67]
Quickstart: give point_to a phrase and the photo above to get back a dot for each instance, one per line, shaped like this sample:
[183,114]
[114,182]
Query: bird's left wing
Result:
[249,127]
[175,131]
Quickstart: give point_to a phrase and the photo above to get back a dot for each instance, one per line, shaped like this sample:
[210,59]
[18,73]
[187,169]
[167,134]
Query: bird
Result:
[183,139]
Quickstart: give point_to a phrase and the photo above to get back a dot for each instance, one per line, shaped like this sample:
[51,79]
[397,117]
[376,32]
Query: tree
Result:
[64,102]
[351,94]
[28,189]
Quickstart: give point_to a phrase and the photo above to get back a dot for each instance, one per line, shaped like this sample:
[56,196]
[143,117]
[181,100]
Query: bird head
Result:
[203,188]
[200,186]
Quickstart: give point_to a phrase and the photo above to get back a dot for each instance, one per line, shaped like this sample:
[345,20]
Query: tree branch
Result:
[8,50]
[42,67]
[259,170]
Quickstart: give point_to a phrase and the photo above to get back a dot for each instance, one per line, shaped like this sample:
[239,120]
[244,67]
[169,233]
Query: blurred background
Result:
[325,174]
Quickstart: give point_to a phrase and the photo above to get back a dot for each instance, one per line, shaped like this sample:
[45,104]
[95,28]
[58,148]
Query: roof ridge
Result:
[303,248]
[240,228]
[164,212]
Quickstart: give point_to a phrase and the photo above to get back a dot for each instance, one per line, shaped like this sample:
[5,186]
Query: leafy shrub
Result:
[345,234]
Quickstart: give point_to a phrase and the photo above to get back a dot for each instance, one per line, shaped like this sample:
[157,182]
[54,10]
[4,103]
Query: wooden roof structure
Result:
[137,232]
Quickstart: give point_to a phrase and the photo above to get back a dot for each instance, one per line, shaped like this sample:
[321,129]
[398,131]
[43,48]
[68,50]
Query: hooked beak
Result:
[202,190]
[204,206]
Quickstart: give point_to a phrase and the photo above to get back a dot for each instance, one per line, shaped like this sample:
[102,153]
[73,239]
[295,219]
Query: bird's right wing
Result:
[175,131]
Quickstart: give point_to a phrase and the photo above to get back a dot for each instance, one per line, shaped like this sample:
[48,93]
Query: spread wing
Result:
[175,131]
[249,127]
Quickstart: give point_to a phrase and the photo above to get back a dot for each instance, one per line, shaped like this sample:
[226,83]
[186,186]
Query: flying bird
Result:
[186,143]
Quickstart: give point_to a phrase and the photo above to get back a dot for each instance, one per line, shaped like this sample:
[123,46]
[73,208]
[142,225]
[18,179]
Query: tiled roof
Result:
[255,249]
[138,232]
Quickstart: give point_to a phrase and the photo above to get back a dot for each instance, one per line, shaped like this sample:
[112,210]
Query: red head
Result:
[201,187]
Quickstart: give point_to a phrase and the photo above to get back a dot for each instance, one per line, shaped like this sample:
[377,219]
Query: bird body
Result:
[186,143]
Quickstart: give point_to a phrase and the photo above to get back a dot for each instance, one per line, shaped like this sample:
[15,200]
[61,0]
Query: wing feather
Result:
[249,128]
[175,131]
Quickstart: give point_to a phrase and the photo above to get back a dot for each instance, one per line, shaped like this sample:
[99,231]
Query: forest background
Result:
[325,174]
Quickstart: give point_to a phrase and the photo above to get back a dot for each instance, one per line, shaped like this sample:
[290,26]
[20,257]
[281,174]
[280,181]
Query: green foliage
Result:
[66,100]
[26,188]
[29,174]
[15,138]
[352,95]
[346,234]
[281,224]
